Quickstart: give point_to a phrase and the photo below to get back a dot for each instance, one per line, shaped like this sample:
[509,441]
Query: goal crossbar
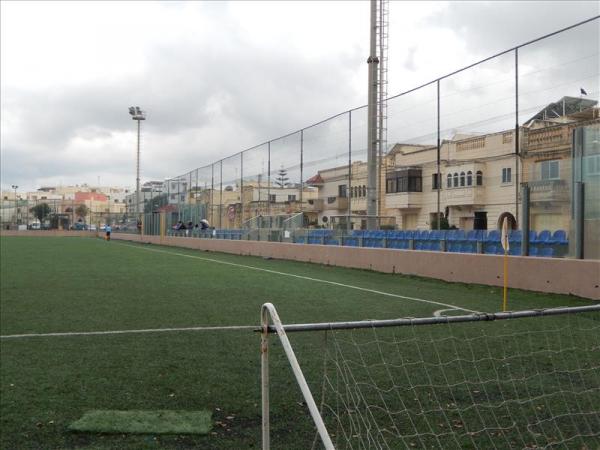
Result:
[477,317]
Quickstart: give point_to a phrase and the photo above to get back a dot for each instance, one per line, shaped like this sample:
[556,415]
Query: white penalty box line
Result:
[233,327]
[141,331]
[304,277]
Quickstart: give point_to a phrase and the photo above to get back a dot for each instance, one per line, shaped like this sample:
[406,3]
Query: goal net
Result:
[474,381]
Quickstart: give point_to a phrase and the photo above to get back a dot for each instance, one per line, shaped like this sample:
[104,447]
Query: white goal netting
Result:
[531,382]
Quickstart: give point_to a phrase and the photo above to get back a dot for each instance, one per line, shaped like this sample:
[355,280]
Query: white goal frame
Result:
[268,311]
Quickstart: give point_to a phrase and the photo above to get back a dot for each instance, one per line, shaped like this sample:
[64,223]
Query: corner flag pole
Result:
[506,247]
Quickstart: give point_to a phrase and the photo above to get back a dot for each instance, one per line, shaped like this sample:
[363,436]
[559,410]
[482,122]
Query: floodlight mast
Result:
[139,115]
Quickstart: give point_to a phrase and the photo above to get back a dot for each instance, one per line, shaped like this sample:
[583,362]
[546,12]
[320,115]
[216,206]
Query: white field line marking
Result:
[439,312]
[302,277]
[149,330]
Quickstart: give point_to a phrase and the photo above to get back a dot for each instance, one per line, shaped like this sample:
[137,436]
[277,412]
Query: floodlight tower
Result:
[376,108]
[139,115]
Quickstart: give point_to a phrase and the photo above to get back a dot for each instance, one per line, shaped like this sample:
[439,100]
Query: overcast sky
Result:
[219,77]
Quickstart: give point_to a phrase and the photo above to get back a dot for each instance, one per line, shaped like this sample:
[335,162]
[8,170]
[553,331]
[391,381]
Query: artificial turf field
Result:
[51,285]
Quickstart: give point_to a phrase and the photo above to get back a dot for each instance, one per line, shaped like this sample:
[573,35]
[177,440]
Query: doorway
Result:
[480,220]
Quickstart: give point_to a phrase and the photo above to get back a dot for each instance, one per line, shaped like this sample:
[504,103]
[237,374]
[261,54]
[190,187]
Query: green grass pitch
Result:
[53,285]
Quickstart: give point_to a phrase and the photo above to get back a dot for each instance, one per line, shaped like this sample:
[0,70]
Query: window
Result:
[390,186]
[434,181]
[506,175]
[455,179]
[469,178]
[449,183]
[462,179]
[404,180]
[479,175]
[549,170]
[272,198]
[182,197]
[291,198]
[591,165]
[364,191]
[342,190]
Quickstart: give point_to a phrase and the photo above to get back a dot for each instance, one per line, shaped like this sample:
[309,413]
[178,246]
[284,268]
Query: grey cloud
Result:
[223,101]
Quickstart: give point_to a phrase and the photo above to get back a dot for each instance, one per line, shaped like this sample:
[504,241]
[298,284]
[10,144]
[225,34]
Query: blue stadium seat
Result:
[543,238]
[472,235]
[453,247]
[493,236]
[547,252]
[490,249]
[533,251]
[515,236]
[560,238]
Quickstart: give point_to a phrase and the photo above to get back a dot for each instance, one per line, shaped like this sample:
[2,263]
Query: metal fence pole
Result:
[525,219]
[349,193]
[269,182]
[302,170]
[242,188]
[438,175]
[579,199]
[516,143]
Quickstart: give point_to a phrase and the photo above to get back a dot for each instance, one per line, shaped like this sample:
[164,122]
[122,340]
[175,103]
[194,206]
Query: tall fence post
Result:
[438,174]
[242,188]
[302,170]
[578,207]
[349,191]
[525,219]
[516,143]
[269,183]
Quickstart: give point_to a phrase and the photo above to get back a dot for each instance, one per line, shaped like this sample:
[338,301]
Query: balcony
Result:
[335,203]
[554,138]
[549,191]
[403,200]
[314,205]
[465,196]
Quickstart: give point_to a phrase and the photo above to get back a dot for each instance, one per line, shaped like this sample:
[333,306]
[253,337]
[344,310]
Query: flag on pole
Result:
[505,244]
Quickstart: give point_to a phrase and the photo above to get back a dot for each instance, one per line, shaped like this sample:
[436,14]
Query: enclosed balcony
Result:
[549,191]
[465,196]
[336,202]
[314,205]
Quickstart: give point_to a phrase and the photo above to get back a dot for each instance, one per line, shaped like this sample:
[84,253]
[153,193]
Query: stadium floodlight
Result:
[139,115]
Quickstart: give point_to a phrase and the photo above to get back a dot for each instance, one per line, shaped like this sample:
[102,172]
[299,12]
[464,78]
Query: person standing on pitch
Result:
[108,230]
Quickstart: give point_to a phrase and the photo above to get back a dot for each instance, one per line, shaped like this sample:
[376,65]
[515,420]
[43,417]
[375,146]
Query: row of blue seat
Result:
[457,241]
[545,236]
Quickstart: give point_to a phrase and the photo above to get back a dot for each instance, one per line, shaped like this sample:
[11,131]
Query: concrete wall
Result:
[553,275]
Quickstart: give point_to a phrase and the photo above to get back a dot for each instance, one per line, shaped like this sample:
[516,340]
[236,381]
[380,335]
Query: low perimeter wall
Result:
[554,275]
[46,233]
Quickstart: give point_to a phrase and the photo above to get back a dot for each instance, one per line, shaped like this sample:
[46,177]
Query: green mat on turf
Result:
[144,422]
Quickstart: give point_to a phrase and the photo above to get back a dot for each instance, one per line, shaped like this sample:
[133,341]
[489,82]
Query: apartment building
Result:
[479,176]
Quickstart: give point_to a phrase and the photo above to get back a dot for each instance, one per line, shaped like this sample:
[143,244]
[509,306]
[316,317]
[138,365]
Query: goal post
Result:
[268,310]
[487,380]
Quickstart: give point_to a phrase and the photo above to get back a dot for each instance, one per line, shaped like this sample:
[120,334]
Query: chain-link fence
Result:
[513,136]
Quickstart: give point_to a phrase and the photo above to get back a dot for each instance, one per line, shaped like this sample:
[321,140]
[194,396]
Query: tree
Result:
[40,211]
[81,211]
[282,178]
